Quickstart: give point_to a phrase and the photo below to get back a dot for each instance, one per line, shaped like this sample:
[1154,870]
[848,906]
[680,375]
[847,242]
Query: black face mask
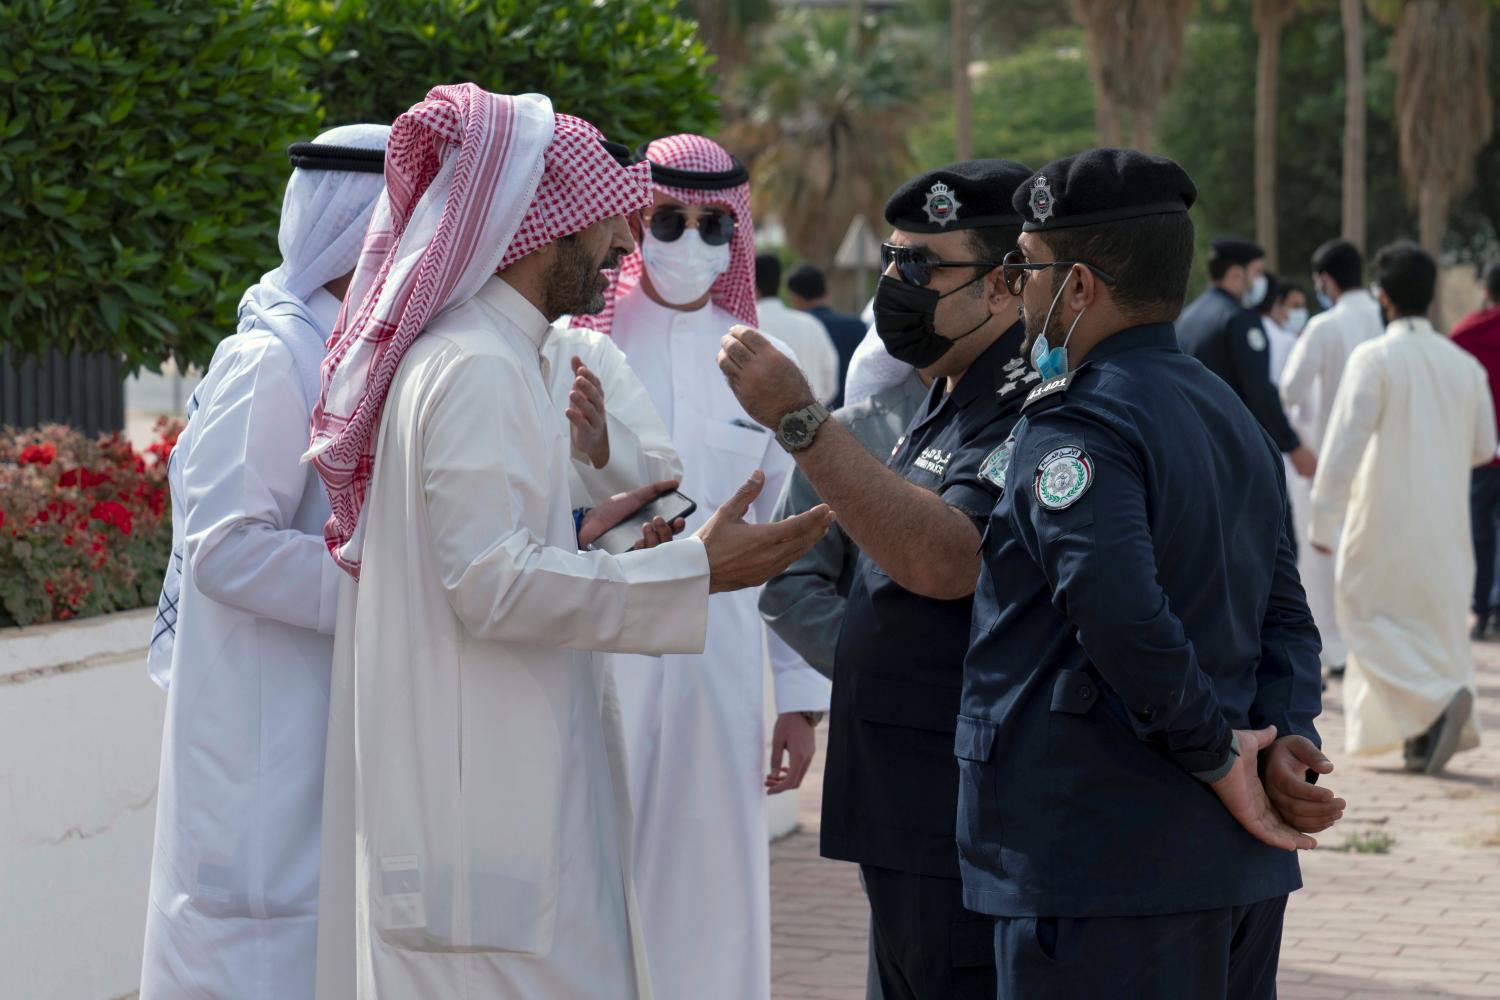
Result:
[904,319]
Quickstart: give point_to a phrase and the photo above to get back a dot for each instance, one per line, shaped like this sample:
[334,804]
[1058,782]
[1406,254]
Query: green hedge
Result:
[632,67]
[142,157]
[142,142]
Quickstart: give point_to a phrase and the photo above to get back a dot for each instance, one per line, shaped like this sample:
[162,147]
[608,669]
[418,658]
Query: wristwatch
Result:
[798,428]
[813,718]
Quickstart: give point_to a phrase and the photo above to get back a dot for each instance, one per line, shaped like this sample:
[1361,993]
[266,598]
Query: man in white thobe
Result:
[476,833]
[694,724]
[243,637]
[1412,417]
[1309,383]
[805,335]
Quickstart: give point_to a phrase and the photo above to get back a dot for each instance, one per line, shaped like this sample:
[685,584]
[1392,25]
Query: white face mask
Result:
[683,271]
[1296,319]
[1254,293]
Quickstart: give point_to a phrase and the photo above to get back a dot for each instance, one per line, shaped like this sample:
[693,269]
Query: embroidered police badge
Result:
[1063,477]
[942,207]
[1256,338]
[996,464]
[1041,200]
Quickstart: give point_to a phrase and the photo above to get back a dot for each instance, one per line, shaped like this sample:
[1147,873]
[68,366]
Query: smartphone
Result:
[624,536]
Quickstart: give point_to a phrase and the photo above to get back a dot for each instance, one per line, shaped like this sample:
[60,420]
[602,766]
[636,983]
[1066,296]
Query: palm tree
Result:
[823,132]
[1353,14]
[1270,16]
[1443,110]
[958,29]
[1135,49]
[724,27]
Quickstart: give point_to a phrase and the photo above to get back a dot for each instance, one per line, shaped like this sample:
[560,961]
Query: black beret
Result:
[1235,250]
[1100,186]
[974,194]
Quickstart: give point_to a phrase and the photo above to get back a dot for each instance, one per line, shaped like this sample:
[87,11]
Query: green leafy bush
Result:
[632,67]
[142,158]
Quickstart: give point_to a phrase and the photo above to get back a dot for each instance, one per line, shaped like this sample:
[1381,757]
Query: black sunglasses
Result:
[915,267]
[1017,268]
[669,222]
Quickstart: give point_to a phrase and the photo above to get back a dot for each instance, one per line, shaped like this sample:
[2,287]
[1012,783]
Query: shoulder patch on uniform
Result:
[1011,379]
[996,464]
[1051,387]
[1063,477]
[1256,338]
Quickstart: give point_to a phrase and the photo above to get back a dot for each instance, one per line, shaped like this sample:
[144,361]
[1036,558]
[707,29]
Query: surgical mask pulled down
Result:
[1052,362]
[683,270]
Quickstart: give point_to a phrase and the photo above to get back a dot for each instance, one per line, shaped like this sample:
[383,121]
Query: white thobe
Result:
[809,341]
[234,874]
[1411,418]
[1309,383]
[640,450]
[694,724]
[477,828]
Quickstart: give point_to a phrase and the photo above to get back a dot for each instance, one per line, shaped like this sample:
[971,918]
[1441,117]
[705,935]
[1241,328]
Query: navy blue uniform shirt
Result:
[1231,343]
[890,786]
[1139,599]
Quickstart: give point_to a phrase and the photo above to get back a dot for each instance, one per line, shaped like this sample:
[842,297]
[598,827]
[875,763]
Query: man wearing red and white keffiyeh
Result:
[694,723]
[476,822]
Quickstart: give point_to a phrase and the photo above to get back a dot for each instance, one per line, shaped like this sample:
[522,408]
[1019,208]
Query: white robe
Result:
[476,836]
[640,450]
[1411,419]
[234,873]
[1309,383]
[693,724]
[808,339]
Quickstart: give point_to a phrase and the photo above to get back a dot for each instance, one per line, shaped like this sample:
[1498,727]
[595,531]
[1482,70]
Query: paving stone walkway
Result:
[1402,898]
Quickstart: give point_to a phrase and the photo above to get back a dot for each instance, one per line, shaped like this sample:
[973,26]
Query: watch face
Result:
[795,430]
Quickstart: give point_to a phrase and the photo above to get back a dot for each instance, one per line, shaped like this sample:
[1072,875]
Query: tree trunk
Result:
[1267,59]
[959,28]
[856,15]
[1354,121]
[1143,130]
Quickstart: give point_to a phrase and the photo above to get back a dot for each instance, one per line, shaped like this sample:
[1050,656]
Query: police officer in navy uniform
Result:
[891,784]
[1222,329]
[1136,736]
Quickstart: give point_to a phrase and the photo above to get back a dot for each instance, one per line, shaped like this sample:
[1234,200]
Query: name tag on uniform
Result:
[934,460]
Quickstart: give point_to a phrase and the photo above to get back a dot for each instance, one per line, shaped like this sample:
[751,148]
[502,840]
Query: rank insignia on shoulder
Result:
[996,464]
[1063,477]
[1051,387]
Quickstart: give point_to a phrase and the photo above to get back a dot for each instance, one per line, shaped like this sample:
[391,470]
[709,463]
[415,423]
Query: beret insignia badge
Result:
[942,207]
[1041,201]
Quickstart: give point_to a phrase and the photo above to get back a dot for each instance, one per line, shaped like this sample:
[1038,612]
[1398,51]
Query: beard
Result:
[575,285]
[1035,322]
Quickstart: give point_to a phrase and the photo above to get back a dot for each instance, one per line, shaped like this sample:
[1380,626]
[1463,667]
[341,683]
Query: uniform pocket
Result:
[1074,692]
[978,807]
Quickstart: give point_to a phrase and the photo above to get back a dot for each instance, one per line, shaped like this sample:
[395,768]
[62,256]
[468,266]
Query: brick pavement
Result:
[1421,919]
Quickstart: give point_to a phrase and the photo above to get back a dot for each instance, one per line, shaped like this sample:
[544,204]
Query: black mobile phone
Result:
[624,536]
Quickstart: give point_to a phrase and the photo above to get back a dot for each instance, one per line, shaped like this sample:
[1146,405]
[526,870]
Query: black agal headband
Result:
[326,156]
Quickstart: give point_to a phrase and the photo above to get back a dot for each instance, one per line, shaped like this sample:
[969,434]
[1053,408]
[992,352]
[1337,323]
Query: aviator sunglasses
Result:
[915,267]
[1017,268]
[669,222]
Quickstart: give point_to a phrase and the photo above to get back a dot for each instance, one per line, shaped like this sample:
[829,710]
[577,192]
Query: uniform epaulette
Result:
[1012,381]
[1051,390]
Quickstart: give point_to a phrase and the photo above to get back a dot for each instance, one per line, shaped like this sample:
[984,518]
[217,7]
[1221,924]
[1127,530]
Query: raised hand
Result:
[747,555]
[768,384]
[1245,797]
[585,412]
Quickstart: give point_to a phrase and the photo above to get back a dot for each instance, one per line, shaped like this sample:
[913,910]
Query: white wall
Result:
[80,738]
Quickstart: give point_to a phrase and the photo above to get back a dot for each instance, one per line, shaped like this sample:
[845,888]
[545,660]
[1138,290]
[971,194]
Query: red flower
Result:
[2,518]
[68,540]
[50,588]
[42,517]
[38,454]
[112,514]
[69,478]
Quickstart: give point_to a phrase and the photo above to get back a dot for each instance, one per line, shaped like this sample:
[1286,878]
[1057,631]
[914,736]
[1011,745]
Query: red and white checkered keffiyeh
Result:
[734,290]
[474,182]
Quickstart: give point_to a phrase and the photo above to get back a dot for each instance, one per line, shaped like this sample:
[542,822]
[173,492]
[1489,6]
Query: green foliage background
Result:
[141,159]
[142,142]
[632,67]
